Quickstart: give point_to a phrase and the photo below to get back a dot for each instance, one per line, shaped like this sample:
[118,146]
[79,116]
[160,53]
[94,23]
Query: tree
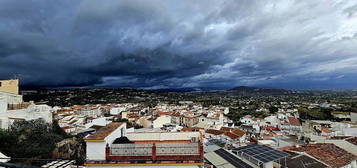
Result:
[30,139]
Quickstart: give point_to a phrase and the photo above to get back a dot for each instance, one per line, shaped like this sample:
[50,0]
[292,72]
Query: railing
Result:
[155,151]
[131,149]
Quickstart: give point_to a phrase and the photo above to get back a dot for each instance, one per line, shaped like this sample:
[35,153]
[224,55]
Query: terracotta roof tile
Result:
[330,154]
[352,140]
[67,127]
[215,132]
[325,130]
[238,132]
[270,128]
[104,132]
[226,129]
[294,121]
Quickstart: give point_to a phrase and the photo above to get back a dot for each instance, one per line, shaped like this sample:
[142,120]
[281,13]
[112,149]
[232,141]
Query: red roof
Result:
[151,118]
[270,128]
[325,130]
[215,132]
[238,132]
[159,112]
[90,118]
[104,132]
[226,129]
[67,127]
[294,121]
[231,135]
[352,140]
[328,153]
[176,114]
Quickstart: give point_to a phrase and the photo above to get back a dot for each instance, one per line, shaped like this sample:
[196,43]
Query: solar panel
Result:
[260,152]
[233,160]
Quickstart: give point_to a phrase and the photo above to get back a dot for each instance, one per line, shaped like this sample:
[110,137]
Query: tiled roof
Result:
[67,127]
[104,132]
[238,132]
[231,135]
[294,121]
[296,160]
[159,112]
[352,140]
[64,111]
[226,129]
[176,114]
[329,154]
[270,128]
[151,119]
[215,132]
[325,130]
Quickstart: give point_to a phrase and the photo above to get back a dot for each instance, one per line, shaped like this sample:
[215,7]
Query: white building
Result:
[117,110]
[13,108]
[111,146]
[160,121]
[102,121]
[97,142]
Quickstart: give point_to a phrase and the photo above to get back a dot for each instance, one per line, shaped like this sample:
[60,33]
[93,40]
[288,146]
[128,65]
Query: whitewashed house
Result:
[13,108]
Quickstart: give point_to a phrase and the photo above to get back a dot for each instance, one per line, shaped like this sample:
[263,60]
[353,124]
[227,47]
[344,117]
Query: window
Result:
[0,84]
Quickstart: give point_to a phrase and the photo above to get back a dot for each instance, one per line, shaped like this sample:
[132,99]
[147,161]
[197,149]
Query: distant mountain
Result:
[257,90]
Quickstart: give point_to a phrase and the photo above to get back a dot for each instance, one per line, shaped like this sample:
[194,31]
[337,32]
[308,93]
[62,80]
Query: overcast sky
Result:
[302,44]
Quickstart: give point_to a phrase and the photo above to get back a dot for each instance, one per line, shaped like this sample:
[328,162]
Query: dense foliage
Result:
[30,139]
[315,114]
[235,114]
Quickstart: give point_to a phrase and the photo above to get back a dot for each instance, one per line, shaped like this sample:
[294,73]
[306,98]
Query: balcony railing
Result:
[155,152]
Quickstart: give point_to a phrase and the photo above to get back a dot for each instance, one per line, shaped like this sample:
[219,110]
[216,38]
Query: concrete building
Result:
[160,121]
[9,86]
[97,142]
[116,110]
[112,146]
[327,153]
[13,108]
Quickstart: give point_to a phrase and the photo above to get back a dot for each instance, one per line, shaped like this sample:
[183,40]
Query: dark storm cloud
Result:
[161,44]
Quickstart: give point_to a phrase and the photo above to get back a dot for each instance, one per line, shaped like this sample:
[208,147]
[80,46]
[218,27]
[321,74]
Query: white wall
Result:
[116,110]
[3,117]
[268,165]
[353,116]
[98,121]
[11,98]
[158,123]
[116,134]
[96,150]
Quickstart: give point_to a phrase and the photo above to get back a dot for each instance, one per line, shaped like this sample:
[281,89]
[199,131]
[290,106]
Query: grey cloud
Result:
[136,43]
